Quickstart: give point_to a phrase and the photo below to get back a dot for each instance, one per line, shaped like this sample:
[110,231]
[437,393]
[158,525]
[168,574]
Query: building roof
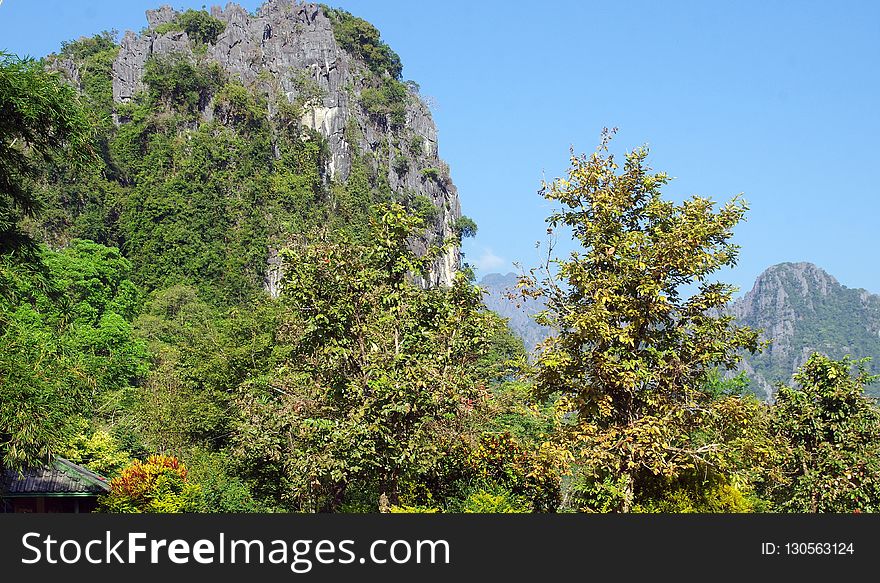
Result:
[58,478]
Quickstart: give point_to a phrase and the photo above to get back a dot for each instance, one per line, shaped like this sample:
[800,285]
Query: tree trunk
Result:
[393,489]
[628,492]
[337,497]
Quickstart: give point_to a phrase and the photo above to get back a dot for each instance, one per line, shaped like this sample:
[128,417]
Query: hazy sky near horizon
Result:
[775,100]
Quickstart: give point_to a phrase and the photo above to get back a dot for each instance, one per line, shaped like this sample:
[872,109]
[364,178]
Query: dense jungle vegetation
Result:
[136,337]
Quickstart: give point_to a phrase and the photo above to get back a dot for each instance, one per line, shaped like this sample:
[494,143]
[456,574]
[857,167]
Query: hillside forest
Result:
[138,339]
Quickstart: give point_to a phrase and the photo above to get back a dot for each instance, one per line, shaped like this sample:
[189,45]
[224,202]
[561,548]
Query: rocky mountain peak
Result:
[499,280]
[287,49]
[802,309]
[808,277]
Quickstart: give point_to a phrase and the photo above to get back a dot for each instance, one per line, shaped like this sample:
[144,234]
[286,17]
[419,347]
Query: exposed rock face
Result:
[278,46]
[802,309]
[67,68]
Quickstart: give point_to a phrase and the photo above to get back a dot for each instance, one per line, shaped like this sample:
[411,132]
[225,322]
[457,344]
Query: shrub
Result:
[515,473]
[412,510]
[697,493]
[465,227]
[388,101]
[360,38]
[198,25]
[309,92]
[431,174]
[417,145]
[85,47]
[372,101]
[236,106]
[222,491]
[400,165]
[100,452]
[424,209]
[158,485]
[94,58]
[484,502]
[180,83]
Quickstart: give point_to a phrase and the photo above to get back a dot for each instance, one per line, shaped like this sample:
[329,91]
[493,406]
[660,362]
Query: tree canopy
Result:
[829,436]
[42,120]
[633,351]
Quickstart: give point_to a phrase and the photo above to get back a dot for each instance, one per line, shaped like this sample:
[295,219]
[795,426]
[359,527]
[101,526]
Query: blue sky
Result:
[775,100]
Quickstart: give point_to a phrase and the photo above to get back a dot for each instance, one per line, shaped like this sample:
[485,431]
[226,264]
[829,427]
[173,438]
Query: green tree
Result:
[99,451]
[221,490]
[465,227]
[386,103]
[42,389]
[67,351]
[362,39]
[42,121]
[200,27]
[379,379]
[178,83]
[632,354]
[829,436]
[731,478]
[199,355]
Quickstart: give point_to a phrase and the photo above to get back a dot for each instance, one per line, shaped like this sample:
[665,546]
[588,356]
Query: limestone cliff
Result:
[278,48]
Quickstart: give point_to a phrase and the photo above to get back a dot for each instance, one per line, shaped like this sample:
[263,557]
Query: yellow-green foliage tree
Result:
[99,451]
[633,351]
[158,485]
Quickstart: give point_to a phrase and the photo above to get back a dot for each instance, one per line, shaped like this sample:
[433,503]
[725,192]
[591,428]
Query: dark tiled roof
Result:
[59,477]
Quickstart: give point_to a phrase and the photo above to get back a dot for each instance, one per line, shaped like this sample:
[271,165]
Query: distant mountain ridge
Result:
[520,317]
[799,307]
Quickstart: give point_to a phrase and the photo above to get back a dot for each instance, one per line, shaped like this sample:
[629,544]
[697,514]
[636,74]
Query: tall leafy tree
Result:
[66,352]
[633,350]
[42,120]
[380,376]
[199,355]
[828,433]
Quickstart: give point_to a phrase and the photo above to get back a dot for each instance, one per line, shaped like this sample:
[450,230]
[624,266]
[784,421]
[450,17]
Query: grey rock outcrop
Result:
[277,47]
[68,69]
